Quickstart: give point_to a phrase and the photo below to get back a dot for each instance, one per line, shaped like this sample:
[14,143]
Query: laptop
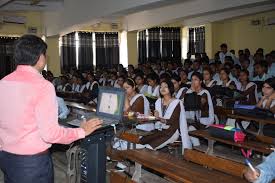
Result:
[110,105]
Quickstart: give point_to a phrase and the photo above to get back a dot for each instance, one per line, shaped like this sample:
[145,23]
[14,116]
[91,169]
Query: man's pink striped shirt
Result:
[29,114]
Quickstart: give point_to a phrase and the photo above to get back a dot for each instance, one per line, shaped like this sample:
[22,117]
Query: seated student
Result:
[236,71]
[260,71]
[207,78]
[248,89]
[270,58]
[245,63]
[230,67]
[74,84]
[183,77]
[65,86]
[264,171]
[204,116]
[187,65]
[153,88]
[214,72]
[139,79]
[225,80]
[112,79]
[63,110]
[172,118]
[91,89]
[103,79]
[196,68]
[179,91]
[268,102]
[119,82]
[80,87]
[131,73]
[135,102]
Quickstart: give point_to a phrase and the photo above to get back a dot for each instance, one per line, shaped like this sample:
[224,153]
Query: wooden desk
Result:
[261,122]
[254,145]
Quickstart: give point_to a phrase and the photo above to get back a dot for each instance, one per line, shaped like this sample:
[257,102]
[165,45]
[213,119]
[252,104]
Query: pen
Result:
[250,165]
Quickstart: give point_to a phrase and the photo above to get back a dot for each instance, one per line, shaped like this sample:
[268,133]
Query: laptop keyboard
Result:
[108,121]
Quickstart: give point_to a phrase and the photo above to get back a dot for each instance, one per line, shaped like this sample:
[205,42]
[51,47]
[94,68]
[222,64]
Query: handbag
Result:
[227,133]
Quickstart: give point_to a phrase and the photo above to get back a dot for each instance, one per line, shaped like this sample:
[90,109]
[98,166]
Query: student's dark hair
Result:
[139,74]
[237,66]
[166,76]
[132,83]
[208,70]
[28,49]
[153,76]
[176,77]
[270,82]
[245,71]
[225,70]
[170,87]
[198,75]
[223,45]
[183,70]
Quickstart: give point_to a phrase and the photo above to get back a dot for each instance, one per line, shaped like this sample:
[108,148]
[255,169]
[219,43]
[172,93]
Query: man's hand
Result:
[250,175]
[90,126]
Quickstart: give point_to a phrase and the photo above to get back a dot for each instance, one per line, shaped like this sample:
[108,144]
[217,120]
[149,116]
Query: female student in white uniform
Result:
[225,79]
[142,87]
[205,116]
[208,78]
[171,113]
[135,102]
[179,91]
[268,102]
[153,82]
[248,89]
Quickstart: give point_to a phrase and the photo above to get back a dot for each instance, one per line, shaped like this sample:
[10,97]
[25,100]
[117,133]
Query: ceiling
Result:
[31,5]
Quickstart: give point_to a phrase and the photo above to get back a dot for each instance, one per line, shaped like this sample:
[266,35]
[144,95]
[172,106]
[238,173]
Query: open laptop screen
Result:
[110,102]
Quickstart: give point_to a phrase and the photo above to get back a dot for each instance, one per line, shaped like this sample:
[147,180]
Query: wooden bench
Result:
[119,177]
[216,163]
[247,144]
[175,169]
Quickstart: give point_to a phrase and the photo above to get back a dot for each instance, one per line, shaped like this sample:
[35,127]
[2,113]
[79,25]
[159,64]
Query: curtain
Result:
[171,43]
[197,40]
[142,53]
[176,43]
[111,49]
[154,44]
[167,43]
[191,45]
[68,52]
[7,64]
[200,39]
[107,49]
[100,50]
[85,51]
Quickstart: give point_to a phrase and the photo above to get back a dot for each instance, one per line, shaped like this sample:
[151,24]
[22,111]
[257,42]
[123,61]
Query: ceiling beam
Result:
[5,2]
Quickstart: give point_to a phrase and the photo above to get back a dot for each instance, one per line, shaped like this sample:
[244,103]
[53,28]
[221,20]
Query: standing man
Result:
[29,117]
